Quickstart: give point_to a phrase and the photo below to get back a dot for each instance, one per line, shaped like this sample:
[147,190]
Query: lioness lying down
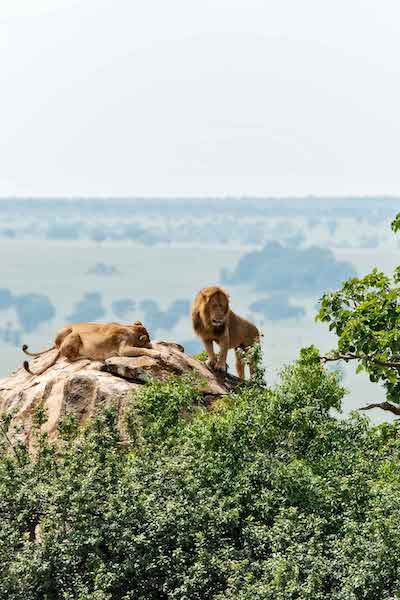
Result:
[97,341]
[214,321]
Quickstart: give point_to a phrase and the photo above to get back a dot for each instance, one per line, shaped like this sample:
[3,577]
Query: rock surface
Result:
[84,387]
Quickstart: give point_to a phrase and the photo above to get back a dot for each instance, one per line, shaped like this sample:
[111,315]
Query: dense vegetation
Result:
[266,496]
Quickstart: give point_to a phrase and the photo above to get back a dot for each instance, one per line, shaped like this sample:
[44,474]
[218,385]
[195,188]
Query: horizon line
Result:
[201,197]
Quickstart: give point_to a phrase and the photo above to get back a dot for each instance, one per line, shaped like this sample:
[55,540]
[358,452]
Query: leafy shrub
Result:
[252,357]
[201,356]
[365,315]
[265,496]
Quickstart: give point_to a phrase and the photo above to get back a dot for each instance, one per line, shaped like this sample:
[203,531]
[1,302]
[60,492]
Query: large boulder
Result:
[84,387]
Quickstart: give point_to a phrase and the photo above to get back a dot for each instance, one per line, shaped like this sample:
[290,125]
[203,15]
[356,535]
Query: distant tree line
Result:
[31,309]
[286,270]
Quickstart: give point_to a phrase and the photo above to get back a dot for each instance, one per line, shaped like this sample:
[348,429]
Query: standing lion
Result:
[214,321]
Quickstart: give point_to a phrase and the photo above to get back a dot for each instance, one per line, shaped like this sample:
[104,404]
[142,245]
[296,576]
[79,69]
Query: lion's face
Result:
[217,307]
[141,338]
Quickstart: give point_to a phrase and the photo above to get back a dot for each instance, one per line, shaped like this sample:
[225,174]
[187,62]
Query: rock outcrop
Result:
[84,387]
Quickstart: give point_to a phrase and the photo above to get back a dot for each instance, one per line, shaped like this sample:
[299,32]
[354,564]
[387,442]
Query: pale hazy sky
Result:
[163,97]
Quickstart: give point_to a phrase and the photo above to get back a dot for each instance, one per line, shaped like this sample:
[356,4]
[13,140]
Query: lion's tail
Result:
[53,362]
[25,349]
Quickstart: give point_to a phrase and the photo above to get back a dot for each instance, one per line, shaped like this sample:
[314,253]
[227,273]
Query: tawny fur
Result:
[214,321]
[97,341]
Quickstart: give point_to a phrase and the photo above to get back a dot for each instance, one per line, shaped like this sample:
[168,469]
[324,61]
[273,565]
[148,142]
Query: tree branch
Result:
[384,406]
[391,364]
[348,356]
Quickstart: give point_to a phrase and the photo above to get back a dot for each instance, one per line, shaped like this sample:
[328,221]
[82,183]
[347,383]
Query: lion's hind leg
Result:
[71,346]
[239,363]
[64,333]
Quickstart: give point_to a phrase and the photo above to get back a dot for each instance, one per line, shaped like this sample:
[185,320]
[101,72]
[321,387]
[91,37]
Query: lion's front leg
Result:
[220,365]
[125,350]
[212,358]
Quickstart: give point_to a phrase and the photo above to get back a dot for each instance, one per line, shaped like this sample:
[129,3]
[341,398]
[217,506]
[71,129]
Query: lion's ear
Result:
[138,323]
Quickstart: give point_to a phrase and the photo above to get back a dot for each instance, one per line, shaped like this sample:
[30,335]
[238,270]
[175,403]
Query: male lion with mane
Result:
[214,321]
[97,341]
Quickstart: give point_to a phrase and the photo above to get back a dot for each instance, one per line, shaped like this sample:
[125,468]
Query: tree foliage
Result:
[365,315]
[266,496]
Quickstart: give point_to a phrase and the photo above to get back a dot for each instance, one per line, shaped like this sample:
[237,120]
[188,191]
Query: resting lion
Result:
[97,341]
[213,321]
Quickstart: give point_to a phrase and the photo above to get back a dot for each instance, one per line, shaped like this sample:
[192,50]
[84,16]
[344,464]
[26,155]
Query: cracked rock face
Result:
[83,388]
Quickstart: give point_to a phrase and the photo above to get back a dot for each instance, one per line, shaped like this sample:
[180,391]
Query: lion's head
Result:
[212,304]
[141,337]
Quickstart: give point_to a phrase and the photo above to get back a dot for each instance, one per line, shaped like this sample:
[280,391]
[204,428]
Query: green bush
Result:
[266,496]
[365,315]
